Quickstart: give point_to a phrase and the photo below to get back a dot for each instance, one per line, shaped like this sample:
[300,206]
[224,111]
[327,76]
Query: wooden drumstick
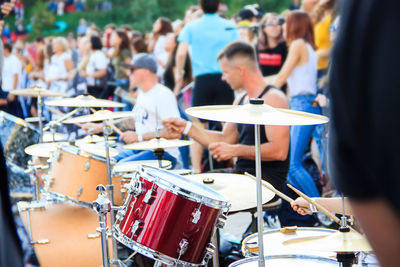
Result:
[318,206]
[115,128]
[277,192]
[56,111]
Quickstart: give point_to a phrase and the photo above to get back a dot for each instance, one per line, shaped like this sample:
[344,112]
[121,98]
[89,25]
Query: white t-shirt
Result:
[160,54]
[59,70]
[97,61]
[161,101]
[12,66]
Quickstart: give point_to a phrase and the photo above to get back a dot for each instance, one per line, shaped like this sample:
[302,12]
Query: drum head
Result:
[134,166]
[286,261]
[184,187]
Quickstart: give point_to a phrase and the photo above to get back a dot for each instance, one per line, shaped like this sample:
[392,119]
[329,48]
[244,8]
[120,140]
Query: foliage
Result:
[140,14]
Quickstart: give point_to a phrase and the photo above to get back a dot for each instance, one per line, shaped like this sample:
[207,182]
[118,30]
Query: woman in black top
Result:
[271,47]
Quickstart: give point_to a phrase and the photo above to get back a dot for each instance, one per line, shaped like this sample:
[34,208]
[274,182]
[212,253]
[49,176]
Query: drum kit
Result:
[168,215]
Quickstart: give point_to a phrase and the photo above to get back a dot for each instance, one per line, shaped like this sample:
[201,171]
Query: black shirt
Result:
[271,60]
[365,89]
[274,171]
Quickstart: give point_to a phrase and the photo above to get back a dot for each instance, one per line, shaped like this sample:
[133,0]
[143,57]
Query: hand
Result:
[11,98]
[322,100]
[129,137]
[167,134]
[7,7]
[3,102]
[92,128]
[223,151]
[175,125]
[83,74]
[300,205]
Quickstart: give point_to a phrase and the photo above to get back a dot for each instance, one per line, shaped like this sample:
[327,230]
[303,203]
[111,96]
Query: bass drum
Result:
[287,261]
[67,235]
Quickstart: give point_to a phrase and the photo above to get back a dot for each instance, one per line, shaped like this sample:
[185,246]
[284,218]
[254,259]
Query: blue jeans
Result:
[299,143]
[134,155]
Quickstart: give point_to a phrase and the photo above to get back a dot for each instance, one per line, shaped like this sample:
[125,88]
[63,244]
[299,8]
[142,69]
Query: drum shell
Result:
[71,171]
[167,221]
[67,227]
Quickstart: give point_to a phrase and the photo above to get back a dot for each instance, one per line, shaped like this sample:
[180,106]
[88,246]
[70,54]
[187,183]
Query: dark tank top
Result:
[274,171]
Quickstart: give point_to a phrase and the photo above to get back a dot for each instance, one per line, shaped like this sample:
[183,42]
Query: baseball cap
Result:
[143,61]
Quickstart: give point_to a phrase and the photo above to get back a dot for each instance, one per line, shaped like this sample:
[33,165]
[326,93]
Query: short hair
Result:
[96,43]
[209,6]
[140,45]
[8,47]
[238,49]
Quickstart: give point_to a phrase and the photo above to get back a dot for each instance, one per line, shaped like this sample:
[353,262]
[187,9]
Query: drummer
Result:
[154,103]
[240,70]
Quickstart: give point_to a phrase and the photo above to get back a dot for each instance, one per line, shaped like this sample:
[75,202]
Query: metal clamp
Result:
[121,214]
[182,247]
[210,251]
[221,221]
[150,196]
[135,187]
[102,204]
[137,227]
[196,215]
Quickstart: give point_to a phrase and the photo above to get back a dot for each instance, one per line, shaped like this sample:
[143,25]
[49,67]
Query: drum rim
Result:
[148,252]
[166,185]
[285,256]
[246,239]
[80,152]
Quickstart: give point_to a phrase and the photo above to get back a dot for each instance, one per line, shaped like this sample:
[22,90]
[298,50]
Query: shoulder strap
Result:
[266,90]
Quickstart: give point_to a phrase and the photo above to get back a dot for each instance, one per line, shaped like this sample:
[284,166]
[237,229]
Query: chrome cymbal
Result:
[35,92]
[239,189]
[158,143]
[84,101]
[92,139]
[255,114]
[43,150]
[337,242]
[101,115]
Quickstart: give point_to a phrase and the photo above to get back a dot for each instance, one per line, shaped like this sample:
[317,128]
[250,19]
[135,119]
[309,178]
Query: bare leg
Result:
[382,227]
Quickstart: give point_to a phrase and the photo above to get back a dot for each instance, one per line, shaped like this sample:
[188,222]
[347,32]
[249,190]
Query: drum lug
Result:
[221,221]
[47,180]
[79,193]
[87,166]
[150,196]
[137,227]
[135,187]
[182,247]
[121,214]
[210,250]
[58,155]
[196,215]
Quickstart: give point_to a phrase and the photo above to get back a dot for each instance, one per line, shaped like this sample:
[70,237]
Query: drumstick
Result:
[277,192]
[112,125]
[56,111]
[318,206]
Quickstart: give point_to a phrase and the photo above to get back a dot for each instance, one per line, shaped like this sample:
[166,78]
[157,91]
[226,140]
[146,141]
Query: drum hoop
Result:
[246,250]
[287,256]
[80,152]
[139,166]
[18,121]
[148,252]
[174,189]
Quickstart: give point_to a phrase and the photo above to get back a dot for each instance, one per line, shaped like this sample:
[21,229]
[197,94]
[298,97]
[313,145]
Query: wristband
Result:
[140,138]
[313,208]
[187,128]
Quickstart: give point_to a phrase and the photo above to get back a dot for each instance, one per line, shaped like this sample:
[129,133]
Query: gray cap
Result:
[143,61]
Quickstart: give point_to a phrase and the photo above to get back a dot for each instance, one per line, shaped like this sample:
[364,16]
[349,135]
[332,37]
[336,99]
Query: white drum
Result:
[288,261]
[273,242]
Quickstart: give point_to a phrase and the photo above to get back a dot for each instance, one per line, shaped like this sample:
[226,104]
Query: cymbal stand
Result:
[39,110]
[32,169]
[159,152]
[260,222]
[345,259]
[53,124]
[102,206]
[110,187]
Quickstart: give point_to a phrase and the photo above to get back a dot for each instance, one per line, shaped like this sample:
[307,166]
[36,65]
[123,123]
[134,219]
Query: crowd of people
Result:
[207,59]
[291,49]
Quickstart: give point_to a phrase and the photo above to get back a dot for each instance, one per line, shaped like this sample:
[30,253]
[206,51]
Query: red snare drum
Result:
[170,218]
